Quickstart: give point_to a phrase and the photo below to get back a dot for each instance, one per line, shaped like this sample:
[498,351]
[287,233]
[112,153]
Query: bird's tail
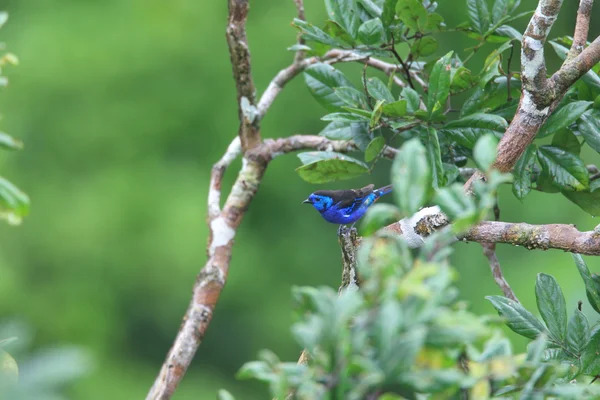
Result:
[384,190]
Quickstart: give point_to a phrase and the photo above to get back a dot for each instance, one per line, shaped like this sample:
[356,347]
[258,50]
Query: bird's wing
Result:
[350,200]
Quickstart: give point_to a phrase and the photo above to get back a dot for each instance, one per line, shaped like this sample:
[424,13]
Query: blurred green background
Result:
[123,107]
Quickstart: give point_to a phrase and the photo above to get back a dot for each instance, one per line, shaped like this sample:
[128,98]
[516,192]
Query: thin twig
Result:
[392,49]
[300,15]
[582,26]
[508,73]
[489,250]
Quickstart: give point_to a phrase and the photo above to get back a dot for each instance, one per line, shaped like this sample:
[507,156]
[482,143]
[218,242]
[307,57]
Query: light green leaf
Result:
[378,90]
[344,130]
[411,177]
[479,15]
[413,100]
[14,204]
[589,128]
[347,117]
[352,97]
[462,79]
[552,306]
[568,172]
[412,14]
[484,152]
[328,166]
[374,148]
[434,155]
[345,14]
[310,32]
[592,286]
[563,117]
[578,332]
[439,85]
[522,173]
[590,360]
[378,216]
[458,206]
[9,143]
[480,120]
[371,32]
[9,370]
[395,109]
[510,32]
[224,395]
[588,201]
[517,317]
[424,47]
[321,80]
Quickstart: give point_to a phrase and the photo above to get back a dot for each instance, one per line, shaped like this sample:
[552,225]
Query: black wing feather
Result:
[348,199]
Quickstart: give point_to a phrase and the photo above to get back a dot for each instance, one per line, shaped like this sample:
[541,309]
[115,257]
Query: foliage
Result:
[375,113]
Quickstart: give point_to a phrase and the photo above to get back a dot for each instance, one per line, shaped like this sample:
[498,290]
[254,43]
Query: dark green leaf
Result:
[479,15]
[522,173]
[434,156]
[378,216]
[510,32]
[563,117]
[345,14]
[321,79]
[310,32]
[462,79]
[344,130]
[588,201]
[484,151]
[395,109]
[439,85]
[589,127]
[499,10]
[388,13]
[489,73]
[568,171]
[374,148]
[552,306]
[411,177]
[9,143]
[517,317]
[14,204]
[352,97]
[413,100]
[412,14]
[480,120]
[346,117]
[327,166]
[578,332]
[424,47]
[371,32]
[592,287]
[566,140]
[378,90]
[590,358]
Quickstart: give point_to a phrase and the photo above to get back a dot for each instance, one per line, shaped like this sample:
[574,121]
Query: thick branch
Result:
[582,26]
[242,73]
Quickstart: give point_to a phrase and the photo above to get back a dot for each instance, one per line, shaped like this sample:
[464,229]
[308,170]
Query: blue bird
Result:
[345,206]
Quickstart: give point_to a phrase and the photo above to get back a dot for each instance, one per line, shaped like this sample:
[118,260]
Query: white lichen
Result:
[408,224]
[222,234]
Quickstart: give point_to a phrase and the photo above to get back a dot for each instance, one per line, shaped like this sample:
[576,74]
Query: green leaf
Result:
[14,204]
[376,114]
[9,143]
[413,100]
[424,47]
[395,109]
[552,306]
[499,10]
[347,117]
[434,155]
[510,32]
[224,395]
[522,173]
[259,370]
[344,130]
[439,85]
[568,171]
[458,206]
[345,14]
[467,130]
[484,152]
[563,117]
[327,166]
[462,79]
[588,201]
[411,177]
[479,15]
[590,358]
[9,370]
[388,13]
[517,317]
[321,80]
[374,148]
[352,97]
[378,90]
[412,14]
[566,140]
[373,7]
[589,127]
[310,32]
[578,332]
[490,72]
[378,216]
[371,32]
[592,287]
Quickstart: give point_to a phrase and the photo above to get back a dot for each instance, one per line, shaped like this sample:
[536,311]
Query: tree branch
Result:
[582,26]
[300,12]
[489,250]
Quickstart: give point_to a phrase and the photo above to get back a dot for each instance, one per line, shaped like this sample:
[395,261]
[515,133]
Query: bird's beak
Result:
[307,201]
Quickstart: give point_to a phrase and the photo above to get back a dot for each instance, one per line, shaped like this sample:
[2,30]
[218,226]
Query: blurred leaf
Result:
[563,117]
[566,140]
[352,97]
[343,130]
[376,114]
[592,287]
[479,15]
[522,173]
[344,13]
[500,10]
[378,216]
[412,14]
[310,32]
[578,332]
[439,85]
[411,177]
[371,32]
[374,148]
[458,206]
[9,370]
[568,171]
[321,80]
[379,90]
[517,317]
[590,358]
[14,204]
[327,166]
[346,117]
[424,47]
[413,100]
[388,12]
[510,32]
[484,151]
[552,306]
[589,128]
[259,370]
[395,109]
[467,130]
[224,395]
[9,143]
[434,156]
[588,201]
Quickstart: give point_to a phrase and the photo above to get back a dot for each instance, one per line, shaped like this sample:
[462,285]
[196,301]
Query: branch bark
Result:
[582,26]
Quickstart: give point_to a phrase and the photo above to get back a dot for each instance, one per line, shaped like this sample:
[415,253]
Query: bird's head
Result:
[319,201]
